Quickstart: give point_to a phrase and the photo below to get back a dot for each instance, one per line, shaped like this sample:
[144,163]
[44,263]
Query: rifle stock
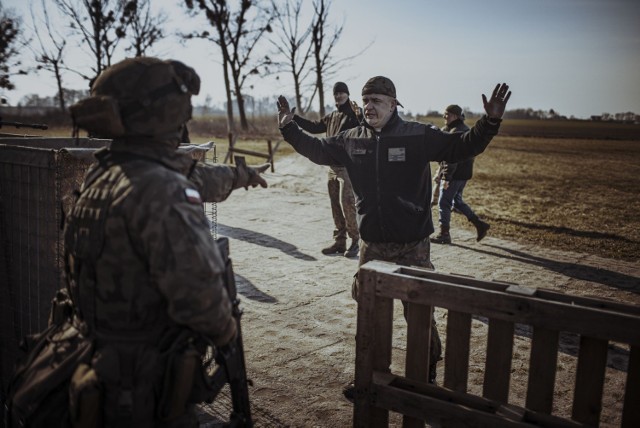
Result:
[230,358]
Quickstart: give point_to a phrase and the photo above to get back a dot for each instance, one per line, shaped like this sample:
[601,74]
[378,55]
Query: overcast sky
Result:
[579,57]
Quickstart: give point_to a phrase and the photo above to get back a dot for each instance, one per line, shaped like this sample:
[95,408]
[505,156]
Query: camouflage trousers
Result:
[416,253]
[343,205]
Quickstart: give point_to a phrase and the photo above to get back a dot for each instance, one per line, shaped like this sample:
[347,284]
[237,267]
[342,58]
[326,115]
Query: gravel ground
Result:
[299,320]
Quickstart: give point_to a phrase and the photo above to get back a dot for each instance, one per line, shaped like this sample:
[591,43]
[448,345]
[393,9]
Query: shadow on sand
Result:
[573,270]
[259,238]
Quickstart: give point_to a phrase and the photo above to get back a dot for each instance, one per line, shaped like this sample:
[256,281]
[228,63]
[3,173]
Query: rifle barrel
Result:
[24,125]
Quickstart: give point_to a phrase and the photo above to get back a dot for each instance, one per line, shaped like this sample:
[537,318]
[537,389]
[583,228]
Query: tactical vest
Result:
[143,375]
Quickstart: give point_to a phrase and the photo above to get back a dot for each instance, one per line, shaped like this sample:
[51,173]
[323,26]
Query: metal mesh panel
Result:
[35,176]
[37,179]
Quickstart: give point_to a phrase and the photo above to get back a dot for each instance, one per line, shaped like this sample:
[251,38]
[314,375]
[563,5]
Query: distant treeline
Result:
[210,123]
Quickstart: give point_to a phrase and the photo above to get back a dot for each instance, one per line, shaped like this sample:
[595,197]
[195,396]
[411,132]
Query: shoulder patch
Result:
[193,196]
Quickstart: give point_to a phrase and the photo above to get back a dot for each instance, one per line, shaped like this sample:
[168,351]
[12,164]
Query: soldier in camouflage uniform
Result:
[144,272]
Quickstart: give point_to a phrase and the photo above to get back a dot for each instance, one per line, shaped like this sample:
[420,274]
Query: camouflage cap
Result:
[380,85]
[153,96]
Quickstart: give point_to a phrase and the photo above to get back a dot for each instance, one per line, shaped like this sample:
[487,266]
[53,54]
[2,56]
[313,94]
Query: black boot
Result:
[443,237]
[481,228]
[353,249]
[338,247]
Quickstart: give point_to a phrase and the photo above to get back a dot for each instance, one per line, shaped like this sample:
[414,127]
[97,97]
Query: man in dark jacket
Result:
[453,178]
[387,160]
[346,116]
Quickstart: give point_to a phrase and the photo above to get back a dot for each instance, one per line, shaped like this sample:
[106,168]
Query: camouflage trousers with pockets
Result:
[343,205]
[416,253]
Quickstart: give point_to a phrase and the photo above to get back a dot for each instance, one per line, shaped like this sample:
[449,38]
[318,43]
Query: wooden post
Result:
[373,350]
[419,322]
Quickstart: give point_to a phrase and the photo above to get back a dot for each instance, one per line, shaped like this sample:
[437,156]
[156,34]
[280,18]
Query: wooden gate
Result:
[597,322]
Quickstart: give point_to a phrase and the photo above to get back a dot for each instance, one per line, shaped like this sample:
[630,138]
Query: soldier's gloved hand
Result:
[249,176]
[228,334]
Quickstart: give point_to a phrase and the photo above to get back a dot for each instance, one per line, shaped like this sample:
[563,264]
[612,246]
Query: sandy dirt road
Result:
[299,320]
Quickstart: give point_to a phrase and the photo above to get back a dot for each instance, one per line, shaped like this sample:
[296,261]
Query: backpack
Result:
[38,393]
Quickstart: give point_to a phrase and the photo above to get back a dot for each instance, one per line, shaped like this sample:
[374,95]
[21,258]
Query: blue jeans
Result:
[451,198]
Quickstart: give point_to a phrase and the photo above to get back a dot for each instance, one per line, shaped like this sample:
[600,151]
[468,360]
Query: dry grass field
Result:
[571,185]
[571,194]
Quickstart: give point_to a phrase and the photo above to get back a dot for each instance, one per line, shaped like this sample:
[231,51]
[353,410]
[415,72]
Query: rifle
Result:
[230,358]
[23,125]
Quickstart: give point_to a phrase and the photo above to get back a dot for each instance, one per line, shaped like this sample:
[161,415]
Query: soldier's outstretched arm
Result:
[216,182]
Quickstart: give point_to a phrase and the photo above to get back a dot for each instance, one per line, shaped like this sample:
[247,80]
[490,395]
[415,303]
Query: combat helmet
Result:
[139,97]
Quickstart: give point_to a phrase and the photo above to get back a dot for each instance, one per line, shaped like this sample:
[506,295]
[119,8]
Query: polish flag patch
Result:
[193,196]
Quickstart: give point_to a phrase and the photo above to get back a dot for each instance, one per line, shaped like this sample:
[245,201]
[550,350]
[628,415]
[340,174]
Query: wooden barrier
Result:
[547,312]
[269,156]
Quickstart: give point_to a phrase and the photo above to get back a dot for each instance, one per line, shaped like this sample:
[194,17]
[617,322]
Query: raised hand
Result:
[498,102]
[285,115]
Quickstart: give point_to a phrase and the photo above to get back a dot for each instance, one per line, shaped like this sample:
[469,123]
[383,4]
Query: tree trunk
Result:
[61,103]
[321,95]
[227,86]
[296,87]
[244,125]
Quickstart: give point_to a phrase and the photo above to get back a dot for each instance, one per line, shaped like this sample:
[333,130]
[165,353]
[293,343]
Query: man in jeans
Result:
[346,116]
[452,178]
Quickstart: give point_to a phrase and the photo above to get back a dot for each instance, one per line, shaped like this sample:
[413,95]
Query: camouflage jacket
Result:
[138,251]
[335,122]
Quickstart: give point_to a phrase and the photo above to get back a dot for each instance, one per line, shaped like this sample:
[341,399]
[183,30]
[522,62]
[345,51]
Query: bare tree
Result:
[237,37]
[146,28]
[49,52]
[324,38]
[292,42]
[10,32]
[101,25]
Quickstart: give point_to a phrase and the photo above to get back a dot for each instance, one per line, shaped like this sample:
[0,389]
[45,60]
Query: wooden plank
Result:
[439,406]
[251,153]
[419,320]
[365,345]
[367,355]
[232,142]
[587,399]
[503,286]
[510,307]
[631,410]
[590,302]
[497,373]
[270,157]
[456,358]
[542,370]
[383,334]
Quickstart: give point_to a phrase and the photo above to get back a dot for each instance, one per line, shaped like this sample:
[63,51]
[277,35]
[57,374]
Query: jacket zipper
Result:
[378,188]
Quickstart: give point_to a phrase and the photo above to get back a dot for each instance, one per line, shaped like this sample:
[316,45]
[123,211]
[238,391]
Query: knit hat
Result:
[340,87]
[454,109]
[380,85]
